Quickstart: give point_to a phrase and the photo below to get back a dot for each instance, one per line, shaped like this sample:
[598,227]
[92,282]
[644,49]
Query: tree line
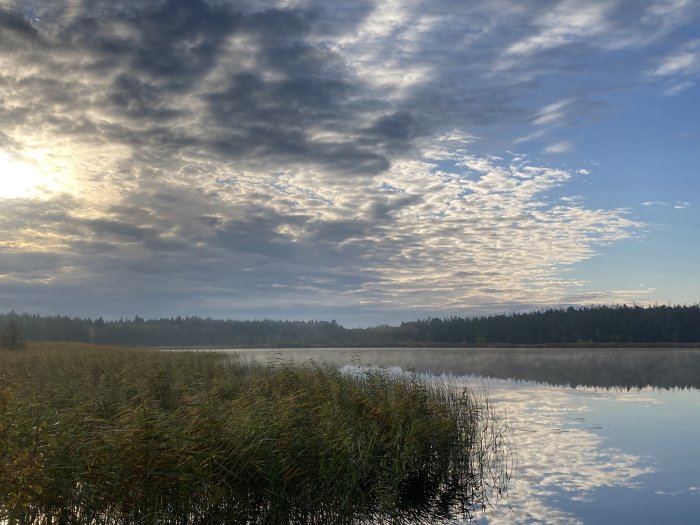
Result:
[619,324]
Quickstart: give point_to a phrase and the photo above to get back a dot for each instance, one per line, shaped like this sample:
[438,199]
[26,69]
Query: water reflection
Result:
[560,454]
[619,449]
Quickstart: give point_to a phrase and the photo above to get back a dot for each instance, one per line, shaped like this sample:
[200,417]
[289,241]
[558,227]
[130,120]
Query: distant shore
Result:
[471,346]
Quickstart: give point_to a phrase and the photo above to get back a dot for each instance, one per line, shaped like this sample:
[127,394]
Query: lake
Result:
[604,436]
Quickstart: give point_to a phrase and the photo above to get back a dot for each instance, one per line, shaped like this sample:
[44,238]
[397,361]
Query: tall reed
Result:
[96,435]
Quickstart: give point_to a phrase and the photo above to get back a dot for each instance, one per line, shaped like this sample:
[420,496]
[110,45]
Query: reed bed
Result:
[101,435]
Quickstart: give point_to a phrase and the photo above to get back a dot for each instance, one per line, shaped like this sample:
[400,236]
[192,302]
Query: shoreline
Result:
[456,346]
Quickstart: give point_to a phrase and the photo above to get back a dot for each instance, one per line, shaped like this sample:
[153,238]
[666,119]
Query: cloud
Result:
[552,112]
[678,205]
[680,67]
[684,61]
[559,147]
[205,155]
[566,23]
[689,490]
[679,87]
[531,136]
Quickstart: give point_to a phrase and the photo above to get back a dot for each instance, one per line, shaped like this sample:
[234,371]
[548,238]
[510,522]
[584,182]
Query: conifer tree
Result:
[11,336]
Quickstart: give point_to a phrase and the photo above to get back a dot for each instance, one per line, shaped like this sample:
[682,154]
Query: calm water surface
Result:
[620,447]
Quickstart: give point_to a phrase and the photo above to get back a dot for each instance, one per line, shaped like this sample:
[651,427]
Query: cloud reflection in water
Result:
[559,456]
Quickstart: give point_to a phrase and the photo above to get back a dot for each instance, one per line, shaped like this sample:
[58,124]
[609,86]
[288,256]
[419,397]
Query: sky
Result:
[365,161]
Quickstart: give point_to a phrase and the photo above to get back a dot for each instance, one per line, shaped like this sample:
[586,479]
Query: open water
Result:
[600,436]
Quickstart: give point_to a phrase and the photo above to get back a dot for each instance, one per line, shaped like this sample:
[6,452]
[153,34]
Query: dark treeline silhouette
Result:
[11,336]
[592,325]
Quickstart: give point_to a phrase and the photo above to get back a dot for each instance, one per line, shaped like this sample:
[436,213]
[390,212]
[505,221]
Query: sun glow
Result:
[19,179]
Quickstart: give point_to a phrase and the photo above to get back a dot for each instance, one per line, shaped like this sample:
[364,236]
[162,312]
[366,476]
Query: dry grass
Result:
[119,436]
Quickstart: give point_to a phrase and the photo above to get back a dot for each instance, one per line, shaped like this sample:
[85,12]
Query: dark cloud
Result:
[43,217]
[118,229]
[340,231]
[382,209]
[137,99]
[146,57]
[258,235]
[179,40]
[16,28]
[397,126]
[30,264]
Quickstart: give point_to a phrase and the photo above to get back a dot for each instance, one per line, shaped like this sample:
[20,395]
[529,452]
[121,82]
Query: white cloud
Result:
[662,8]
[402,249]
[560,147]
[681,68]
[564,24]
[679,87]
[552,113]
[532,136]
[683,61]
[678,205]
[490,219]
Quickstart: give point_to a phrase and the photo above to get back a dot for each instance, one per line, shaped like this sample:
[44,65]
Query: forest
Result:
[619,324]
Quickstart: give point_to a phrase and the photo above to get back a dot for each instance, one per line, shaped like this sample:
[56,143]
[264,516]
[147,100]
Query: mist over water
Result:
[633,368]
[599,435]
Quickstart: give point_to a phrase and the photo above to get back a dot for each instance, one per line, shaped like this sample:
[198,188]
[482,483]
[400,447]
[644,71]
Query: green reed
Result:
[99,435]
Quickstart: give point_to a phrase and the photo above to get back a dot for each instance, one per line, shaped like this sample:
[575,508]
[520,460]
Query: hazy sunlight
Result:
[20,180]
